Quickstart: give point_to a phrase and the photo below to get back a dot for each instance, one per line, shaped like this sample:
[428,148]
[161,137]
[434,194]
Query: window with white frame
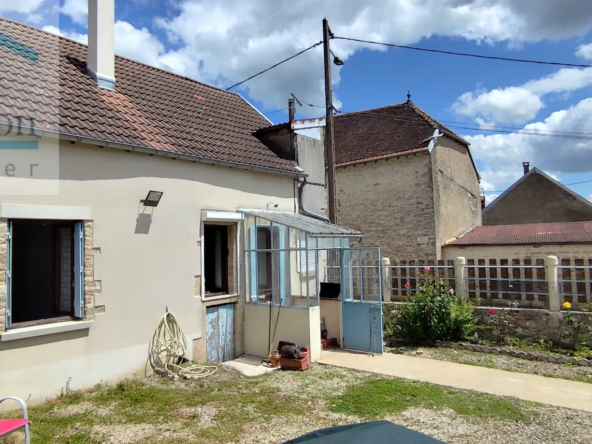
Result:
[220,259]
[45,271]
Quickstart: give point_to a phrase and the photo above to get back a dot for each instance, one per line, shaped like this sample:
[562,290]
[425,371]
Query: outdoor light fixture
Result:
[337,60]
[152,199]
[274,205]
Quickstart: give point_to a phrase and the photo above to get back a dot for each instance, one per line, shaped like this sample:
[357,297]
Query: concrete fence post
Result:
[386,281]
[459,272]
[551,263]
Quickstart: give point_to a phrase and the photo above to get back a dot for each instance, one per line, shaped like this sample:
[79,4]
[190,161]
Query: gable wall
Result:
[456,192]
[536,200]
[391,203]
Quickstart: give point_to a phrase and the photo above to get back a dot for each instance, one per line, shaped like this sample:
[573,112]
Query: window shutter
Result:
[253,259]
[312,258]
[9,276]
[79,270]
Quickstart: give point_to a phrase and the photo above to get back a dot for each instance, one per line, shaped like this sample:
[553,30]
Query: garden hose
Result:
[166,353]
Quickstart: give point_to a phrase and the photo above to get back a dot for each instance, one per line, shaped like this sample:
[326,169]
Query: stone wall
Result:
[391,202]
[532,325]
[456,191]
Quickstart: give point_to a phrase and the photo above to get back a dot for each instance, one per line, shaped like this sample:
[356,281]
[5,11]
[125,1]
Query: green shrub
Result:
[435,314]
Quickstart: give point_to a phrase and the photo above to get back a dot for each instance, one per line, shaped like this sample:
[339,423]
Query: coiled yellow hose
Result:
[166,353]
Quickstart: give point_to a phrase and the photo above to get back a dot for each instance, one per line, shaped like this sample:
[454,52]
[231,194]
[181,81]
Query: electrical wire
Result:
[166,352]
[276,65]
[276,111]
[564,184]
[464,54]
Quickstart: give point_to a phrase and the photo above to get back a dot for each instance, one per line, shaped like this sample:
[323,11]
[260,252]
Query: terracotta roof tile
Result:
[151,107]
[549,233]
[380,132]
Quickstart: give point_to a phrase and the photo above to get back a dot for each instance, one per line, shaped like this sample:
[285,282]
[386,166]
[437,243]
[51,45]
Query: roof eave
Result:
[154,151]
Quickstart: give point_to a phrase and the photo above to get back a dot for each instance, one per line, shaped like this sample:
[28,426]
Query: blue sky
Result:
[225,41]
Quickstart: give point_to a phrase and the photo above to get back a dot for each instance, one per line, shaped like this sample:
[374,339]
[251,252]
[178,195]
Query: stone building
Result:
[566,240]
[404,180]
[537,198]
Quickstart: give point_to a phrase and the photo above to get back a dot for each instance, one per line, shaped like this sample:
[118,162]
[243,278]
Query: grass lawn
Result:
[230,408]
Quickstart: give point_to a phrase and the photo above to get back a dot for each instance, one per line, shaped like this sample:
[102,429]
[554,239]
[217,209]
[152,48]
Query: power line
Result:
[277,64]
[565,184]
[492,128]
[276,111]
[464,54]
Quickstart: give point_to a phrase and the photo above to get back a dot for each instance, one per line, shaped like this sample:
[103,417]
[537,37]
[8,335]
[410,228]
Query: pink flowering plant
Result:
[502,321]
[434,313]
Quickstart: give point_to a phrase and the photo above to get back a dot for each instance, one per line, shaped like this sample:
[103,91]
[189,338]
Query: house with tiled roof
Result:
[405,180]
[127,192]
[537,198]
[566,240]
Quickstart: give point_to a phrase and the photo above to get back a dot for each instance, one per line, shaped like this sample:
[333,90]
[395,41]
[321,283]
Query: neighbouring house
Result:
[537,198]
[127,191]
[404,180]
[566,240]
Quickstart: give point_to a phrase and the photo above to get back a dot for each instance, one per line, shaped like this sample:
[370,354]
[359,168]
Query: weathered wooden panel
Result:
[220,333]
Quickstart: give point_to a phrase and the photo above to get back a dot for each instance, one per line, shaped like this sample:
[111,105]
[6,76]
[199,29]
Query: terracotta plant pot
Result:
[275,358]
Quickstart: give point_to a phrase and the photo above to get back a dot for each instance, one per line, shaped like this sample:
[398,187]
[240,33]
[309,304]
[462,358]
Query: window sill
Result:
[218,297]
[43,330]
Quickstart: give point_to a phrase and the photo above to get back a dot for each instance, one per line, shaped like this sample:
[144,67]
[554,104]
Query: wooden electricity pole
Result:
[329,141]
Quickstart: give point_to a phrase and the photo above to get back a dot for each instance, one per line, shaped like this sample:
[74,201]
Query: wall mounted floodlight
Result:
[152,199]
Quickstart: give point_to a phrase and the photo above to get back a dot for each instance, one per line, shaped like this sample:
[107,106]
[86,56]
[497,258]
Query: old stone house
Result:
[404,180]
[125,191]
[537,198]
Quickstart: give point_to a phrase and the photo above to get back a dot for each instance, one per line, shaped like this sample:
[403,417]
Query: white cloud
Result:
[77,10]
[513,104]
[520,104]
[21,6]
[82,38]
[503,154]
[228,41]
[589,197]
[585,51]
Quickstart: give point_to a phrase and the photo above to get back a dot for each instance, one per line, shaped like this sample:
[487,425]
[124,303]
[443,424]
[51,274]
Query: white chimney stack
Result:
[101,42]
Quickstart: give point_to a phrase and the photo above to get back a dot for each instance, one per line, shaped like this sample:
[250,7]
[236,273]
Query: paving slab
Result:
[552,391]
[250,366]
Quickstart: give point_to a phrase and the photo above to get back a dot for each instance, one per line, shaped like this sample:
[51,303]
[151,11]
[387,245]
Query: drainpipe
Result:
[301,204]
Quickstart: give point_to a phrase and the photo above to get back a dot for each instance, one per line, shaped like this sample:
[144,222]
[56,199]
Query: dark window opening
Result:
[216,259]
[42,270]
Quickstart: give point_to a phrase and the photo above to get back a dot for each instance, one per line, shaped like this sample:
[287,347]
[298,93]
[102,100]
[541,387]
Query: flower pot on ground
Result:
[274,358]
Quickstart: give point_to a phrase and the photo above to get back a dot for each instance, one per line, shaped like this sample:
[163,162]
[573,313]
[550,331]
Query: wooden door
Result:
[220,333]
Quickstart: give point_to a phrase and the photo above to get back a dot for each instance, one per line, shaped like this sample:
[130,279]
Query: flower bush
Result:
[503,321]
[578,324]
[434,313]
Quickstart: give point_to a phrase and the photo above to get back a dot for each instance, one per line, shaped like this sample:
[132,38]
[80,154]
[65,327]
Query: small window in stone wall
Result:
[45,261]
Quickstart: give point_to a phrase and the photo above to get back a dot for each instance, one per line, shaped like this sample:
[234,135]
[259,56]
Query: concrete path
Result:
[250,366]
[552,391]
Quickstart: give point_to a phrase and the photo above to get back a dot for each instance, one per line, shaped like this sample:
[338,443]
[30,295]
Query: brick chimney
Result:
[101,42]
[526,167]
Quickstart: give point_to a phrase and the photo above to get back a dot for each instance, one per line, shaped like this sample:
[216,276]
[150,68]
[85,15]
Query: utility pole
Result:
[292,114]
[329,141]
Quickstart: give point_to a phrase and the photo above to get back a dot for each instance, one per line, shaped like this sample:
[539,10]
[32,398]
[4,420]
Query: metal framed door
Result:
[361,299]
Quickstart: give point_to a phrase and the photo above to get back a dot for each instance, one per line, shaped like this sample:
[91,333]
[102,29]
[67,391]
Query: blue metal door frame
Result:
[361,320]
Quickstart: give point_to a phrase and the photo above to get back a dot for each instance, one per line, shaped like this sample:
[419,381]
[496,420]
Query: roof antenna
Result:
[408,96]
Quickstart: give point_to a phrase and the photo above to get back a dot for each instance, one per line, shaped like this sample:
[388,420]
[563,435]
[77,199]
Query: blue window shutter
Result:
[253,260]
[79,270]
[9,276]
